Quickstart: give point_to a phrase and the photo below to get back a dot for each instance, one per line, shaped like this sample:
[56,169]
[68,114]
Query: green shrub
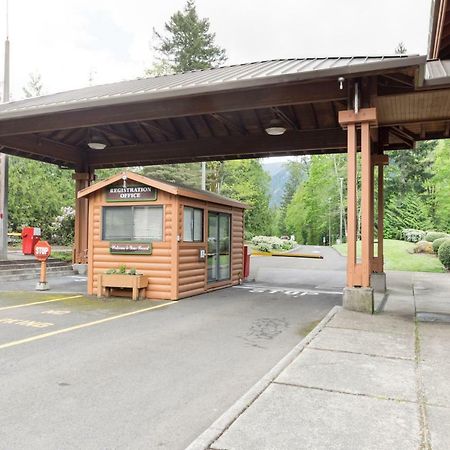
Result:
[264,247]
[438,242]
[431,236]
[411,235]
[444,254]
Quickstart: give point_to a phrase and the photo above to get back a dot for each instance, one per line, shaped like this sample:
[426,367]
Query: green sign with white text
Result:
[131,193]
[130,248]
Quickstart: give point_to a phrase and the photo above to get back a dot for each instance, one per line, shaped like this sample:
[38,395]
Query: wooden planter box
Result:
[137,284]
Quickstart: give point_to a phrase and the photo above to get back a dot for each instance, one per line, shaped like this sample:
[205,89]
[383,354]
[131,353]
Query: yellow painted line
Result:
[38,303]
[78,327]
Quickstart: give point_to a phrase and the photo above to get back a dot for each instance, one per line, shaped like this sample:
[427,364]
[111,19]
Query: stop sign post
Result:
[42,251]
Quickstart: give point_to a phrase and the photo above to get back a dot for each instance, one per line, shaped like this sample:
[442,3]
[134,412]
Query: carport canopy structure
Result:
[327,105]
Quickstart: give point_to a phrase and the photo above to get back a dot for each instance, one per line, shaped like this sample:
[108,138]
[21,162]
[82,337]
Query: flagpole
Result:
[4,158]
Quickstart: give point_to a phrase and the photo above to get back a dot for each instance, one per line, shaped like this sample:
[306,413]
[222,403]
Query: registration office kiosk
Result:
[186,241]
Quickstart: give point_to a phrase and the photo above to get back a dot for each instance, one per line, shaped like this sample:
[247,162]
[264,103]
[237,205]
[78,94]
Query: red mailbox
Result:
[247,253]
[30,237]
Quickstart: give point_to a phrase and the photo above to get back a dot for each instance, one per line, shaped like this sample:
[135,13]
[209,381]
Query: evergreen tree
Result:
[34,85]
[441,182]
[314,209]
[246,181]
[185,173]
[297,173]
[409,170]
[187,43]
[400,49]
[405,211]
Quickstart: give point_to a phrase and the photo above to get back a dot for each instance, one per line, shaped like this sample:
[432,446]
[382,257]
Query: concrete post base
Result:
[358,299]
[378,282]
[42,286]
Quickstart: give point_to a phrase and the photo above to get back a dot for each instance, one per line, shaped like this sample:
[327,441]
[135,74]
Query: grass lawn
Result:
[398,255]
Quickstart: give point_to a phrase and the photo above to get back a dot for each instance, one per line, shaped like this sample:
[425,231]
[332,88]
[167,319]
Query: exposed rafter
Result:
[230,124]
[285,118]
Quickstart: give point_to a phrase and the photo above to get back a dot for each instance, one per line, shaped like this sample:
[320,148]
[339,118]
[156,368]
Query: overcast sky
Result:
[69,41]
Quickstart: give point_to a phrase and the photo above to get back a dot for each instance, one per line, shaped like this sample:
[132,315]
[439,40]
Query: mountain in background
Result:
[279,176]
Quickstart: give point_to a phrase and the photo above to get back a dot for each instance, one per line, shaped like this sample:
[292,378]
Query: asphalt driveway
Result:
[77,372]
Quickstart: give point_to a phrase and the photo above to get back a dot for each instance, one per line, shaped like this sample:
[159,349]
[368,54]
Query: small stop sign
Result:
[42,250]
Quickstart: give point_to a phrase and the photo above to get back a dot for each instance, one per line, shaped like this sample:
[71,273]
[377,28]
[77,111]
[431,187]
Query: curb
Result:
[217,428]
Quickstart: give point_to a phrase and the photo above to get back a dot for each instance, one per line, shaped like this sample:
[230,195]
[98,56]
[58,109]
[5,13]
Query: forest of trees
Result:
[417,194]
[416,182]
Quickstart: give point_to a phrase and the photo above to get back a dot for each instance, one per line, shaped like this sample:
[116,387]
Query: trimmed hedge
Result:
[444,254]
[438,242]
[431,236]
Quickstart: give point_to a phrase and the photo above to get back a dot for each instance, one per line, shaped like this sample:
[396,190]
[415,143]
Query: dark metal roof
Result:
[205,81]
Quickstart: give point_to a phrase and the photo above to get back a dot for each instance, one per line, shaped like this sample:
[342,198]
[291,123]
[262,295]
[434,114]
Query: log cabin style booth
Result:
[183,241]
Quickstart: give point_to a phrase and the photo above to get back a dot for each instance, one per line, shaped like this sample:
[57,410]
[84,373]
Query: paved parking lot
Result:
[27,318]
[77,372]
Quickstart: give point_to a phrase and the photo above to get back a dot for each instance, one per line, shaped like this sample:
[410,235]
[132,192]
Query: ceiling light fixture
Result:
[96,141]
[275,128]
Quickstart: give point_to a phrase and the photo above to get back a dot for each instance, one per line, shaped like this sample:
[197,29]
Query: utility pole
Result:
[329,222]
[341,218]
[4,160]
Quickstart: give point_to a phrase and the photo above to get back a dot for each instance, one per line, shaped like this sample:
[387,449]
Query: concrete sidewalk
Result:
[357,382]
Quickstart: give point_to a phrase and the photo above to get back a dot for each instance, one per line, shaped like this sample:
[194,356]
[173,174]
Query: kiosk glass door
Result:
[219,245]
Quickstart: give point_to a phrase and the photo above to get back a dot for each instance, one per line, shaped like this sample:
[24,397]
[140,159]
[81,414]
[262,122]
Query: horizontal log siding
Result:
[192,278]
[174,269]
[191,269]
[237,245]
[158,266]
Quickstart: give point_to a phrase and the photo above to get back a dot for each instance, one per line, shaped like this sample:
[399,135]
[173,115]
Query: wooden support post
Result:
[351,208]
[82,180]
[358,274]
[380,220]
[380,160]
[366,204]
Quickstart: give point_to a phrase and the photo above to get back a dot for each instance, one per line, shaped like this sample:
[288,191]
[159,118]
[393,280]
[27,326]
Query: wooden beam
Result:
[230,124]
[364,115]
[108,130]
[174,159]
[404,137]
[161,130]
[285,118]
[405,80]
[235,100]
[39,146]
[218,148]
[380,160]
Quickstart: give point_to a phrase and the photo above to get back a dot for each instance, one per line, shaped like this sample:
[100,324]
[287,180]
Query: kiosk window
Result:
[193,224]
[133,223]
